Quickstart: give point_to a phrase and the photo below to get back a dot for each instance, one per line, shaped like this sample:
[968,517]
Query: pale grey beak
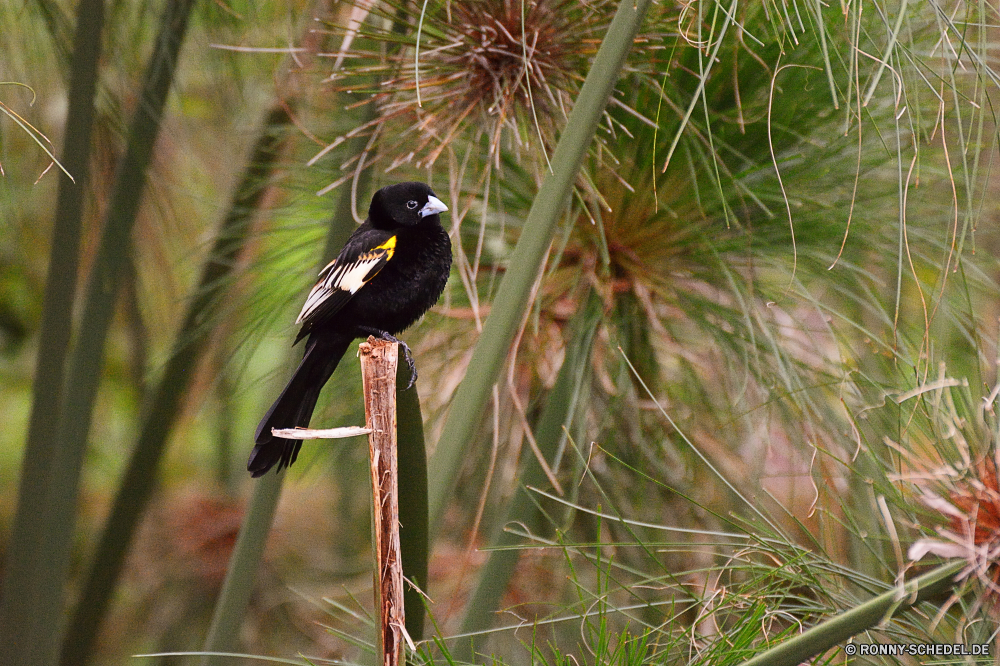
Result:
[433,206]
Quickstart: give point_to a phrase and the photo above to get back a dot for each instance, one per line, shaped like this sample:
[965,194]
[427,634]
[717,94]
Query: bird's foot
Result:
[407,354]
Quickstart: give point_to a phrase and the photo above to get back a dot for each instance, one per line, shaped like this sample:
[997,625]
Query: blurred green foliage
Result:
[797,336]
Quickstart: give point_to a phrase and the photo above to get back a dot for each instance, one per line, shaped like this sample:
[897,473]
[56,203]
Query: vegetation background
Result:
[753,370]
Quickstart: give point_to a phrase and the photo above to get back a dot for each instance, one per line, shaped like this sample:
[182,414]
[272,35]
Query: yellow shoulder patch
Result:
[389,246]
[386,249]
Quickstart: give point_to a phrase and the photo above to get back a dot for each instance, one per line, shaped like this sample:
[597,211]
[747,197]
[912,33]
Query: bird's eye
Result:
[411,204]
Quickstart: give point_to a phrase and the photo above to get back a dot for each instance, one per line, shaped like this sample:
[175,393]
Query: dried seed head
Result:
[490,71]
[970,503]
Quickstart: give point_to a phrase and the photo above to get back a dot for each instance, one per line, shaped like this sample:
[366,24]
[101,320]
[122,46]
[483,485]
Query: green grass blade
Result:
[865,616]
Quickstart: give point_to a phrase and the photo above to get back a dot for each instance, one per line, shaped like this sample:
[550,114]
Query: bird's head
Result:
[405,204]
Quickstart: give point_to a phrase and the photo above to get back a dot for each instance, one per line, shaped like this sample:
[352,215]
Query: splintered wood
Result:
[378,372]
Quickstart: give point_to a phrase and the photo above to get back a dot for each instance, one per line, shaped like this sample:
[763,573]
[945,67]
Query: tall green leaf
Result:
[33,635]
[21,597]
[412,482]
[558,413]
[513,295]
[141,475]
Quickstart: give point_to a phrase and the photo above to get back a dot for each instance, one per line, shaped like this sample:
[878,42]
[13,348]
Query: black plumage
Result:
[391,271]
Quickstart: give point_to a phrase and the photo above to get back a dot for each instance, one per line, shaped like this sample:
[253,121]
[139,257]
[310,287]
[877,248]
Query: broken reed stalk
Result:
[378,372]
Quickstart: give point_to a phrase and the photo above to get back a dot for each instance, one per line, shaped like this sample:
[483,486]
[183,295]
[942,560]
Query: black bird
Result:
[391,271]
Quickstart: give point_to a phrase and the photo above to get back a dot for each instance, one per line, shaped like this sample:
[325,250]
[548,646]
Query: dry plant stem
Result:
[323,433]
[378,375]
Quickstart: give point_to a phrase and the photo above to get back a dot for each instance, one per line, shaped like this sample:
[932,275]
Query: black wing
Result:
[366,253]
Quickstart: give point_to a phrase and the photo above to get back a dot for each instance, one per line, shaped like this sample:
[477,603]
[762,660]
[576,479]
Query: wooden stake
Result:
[378,372]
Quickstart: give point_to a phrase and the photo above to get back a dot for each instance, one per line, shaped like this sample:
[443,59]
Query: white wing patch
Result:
[346,278]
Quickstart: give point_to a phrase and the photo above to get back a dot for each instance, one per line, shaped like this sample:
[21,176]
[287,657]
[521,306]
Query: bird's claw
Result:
[407,354]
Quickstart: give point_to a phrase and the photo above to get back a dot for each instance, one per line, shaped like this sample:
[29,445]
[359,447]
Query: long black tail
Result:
[294,407]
